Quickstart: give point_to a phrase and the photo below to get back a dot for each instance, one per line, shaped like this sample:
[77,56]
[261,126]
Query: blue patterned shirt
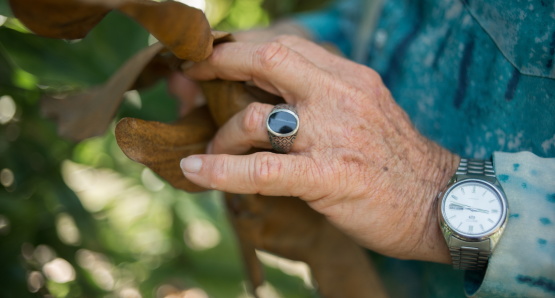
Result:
[477,77]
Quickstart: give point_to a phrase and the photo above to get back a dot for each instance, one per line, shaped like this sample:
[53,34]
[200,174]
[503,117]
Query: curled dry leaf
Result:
[182,29]
[226,98]
[339,266]
[58,18]
[161,146]
[90,113]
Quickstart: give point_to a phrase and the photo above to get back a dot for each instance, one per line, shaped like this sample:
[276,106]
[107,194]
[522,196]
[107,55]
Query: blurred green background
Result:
[82,220]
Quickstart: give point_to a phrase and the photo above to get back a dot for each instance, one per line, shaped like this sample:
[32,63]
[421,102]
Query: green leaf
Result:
[5,9]
[6,69]
[89,61]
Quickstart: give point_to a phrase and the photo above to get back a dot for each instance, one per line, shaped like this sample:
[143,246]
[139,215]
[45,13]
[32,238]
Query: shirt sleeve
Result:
[336,24]
[523,263]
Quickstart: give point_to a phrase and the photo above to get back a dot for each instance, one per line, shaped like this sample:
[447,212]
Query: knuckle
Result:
[357,94]
[253,118]
[353,95]
[373,80]
[267,169]
[271,55]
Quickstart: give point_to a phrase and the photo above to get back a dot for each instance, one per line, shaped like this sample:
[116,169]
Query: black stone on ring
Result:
[282,124]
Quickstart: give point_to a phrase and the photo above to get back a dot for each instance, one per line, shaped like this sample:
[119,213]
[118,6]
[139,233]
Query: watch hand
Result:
[478,210]
[460,206]
[456,206]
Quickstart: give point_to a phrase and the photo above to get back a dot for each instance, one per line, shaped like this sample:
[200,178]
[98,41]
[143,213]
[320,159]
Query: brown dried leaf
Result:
[226,98]
[259,221]
[161,65]
[166,62]
[58,18]
[161,146]
[90,113]
[340,267]
[222,36]
[182,29]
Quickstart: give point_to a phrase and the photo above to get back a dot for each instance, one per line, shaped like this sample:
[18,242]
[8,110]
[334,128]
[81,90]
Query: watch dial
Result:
[472,208]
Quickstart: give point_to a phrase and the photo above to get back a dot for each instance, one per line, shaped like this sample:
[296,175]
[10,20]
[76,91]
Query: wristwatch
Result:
[472,214]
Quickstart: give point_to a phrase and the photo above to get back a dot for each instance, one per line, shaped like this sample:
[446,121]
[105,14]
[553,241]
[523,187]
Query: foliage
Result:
[82,220]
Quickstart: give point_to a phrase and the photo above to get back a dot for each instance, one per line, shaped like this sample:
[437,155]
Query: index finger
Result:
[272,66]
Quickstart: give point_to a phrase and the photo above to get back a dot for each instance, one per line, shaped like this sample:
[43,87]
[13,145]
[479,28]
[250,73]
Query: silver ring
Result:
[282,124]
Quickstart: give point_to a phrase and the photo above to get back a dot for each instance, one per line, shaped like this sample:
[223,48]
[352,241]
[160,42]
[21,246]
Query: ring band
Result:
[282,124]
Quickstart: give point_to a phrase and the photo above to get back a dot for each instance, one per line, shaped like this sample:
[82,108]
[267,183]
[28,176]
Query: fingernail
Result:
[191,164]
[209,148]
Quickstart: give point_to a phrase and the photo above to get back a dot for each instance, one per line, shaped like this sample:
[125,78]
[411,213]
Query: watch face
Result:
[473,208]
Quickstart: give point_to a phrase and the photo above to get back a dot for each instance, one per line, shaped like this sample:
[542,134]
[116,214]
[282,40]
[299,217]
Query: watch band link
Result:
[476,167]
[468,257]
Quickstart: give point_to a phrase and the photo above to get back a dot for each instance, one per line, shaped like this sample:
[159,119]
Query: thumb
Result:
[262,172]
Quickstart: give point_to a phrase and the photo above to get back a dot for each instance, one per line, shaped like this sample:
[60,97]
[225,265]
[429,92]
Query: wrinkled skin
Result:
[357,158]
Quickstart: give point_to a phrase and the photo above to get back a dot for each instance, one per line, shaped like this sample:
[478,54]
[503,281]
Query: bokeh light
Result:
[7,178]
[200,4]
[3,19]
[43,254]
[268,291]
[7,109]
[170,291]
[35,281]
[128,292]
[201,234]
[151,181]
[67,230]
[85,181]
[99,267]
[4,225]
[133,97]
[59,270]
[294,268]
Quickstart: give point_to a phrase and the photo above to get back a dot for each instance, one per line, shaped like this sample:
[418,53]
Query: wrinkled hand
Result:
[357,158]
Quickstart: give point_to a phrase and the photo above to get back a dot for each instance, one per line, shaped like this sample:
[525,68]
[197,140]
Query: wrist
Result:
[437,171]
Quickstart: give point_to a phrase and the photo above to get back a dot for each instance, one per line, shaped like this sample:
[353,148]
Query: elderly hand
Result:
[356,159]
